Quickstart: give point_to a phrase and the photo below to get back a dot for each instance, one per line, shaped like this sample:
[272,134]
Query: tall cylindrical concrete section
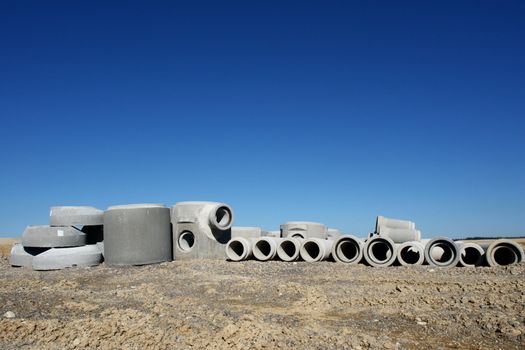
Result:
[137,234]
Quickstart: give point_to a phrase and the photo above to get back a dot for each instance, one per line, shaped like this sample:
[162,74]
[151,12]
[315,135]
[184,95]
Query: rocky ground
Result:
[254,305]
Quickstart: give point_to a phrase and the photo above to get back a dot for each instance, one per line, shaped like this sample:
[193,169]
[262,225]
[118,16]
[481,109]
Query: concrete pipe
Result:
[400,235]
[411,253]
[208,226]
[276,234]
[504,252]
[137,234]
[442,252]
[348,249]
[382,222]
[265,248]
[289,249]
[470,254]
[23,256]
[379,251]
[239,249]
[53,237]
[316,249]
[304,230]
[61,258]
[75,216]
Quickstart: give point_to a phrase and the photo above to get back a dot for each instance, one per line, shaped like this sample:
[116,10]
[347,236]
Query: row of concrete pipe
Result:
[140,234]
[376,251]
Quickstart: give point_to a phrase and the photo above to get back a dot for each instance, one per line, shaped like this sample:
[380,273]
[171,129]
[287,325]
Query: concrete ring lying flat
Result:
[53,237]
[75,216]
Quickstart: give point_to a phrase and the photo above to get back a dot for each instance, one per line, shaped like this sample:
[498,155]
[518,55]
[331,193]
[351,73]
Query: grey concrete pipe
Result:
[411,253]
[379,251]
[289,249]
[201,230]
[504,252]
[470,254]
[348,249]
[265,248]
[137,234]
[382,222]
[442,252]
[304,230]
[400,235]
[240,248]
[316,249]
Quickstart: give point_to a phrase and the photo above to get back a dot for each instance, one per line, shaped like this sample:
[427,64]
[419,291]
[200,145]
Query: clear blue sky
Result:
[324,111]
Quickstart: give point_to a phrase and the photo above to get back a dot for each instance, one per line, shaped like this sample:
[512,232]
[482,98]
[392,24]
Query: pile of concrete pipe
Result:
[394,242]
[140,234]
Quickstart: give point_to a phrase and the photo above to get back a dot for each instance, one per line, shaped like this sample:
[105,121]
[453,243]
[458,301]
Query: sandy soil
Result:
[254,305]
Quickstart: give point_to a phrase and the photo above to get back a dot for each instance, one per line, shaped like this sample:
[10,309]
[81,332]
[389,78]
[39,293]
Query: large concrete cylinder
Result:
[442,252]
[137,234]
[411,253]
[289,249]
[380,251]
[348,249]
[316,249]
[240,248]
[400,235]
[382,222]
[504,252]
[304,230]
[265,248]
[470,254]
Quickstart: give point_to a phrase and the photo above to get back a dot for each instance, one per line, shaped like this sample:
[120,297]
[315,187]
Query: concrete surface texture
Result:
[240,248]
[247,232]
[201,230]
[442,252]
[316,249]
[265,248]
[304,229]
[400,235]
[289,249]
[276,234]
[380,251]
[137,234]
[470,254]
[411,253]
[52,236]
[333,233]
[382,222]
[503,252]
[23,257]
[348,249]
[75,216]
[61,258]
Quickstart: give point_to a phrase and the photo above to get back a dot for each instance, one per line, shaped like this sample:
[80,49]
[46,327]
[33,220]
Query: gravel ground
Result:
[254,305]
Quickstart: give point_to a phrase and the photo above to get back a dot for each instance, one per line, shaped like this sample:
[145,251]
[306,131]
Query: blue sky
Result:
[323,111]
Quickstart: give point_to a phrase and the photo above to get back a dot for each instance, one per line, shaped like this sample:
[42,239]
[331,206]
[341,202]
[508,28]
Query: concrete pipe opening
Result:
[380,251]
[348,249]
[503,252]
[448,252]
[410,253]
[265,248]
[298,236]
[288,249]
[471,255]
[311,251]
[186,241]
[223,217]
[237,250]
